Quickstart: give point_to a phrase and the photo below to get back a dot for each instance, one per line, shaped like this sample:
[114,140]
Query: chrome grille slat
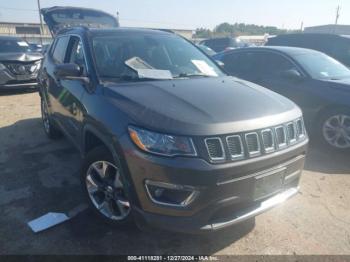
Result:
[281,137]
[215,149]
[235,147]
[300,128]
[268,140]
[253,144]
[291,133]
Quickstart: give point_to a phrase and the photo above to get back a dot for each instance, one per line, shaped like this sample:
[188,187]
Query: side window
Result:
[76,53]
[274,64]
[231,63]
[244,65]
[59,51]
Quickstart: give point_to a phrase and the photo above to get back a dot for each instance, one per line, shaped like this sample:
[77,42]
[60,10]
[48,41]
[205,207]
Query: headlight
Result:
[2,67]
[161,144]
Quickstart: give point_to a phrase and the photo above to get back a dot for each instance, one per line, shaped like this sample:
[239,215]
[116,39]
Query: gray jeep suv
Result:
[166,138]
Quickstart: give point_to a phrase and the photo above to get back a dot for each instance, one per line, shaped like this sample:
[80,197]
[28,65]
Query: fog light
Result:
[170,194]
[159,192]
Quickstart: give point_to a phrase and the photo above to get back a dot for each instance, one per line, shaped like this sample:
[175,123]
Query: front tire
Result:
[334,130]
[104,185]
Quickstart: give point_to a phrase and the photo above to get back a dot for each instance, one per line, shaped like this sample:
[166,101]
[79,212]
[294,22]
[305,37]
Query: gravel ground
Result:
[39,176]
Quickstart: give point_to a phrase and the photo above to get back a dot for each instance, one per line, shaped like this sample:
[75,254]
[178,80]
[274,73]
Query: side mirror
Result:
[68,71]
[292,74]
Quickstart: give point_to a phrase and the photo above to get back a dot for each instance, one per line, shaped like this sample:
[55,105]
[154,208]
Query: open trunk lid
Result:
[59,17]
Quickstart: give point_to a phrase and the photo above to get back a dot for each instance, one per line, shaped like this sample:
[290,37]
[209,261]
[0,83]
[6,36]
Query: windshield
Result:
[13,45]
[153,56]
[321,66]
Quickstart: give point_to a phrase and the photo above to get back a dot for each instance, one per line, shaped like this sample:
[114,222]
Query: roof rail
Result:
[165,30]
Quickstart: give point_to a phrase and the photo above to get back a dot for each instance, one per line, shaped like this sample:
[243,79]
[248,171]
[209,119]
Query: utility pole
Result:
[302,26]
[41,24]
[337,15]
[118,18]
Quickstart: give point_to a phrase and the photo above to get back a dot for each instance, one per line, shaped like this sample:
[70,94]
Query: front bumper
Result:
[226,191]
[10,81]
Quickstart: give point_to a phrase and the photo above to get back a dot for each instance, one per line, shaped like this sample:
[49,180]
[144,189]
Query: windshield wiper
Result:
[184,75]
[128,78]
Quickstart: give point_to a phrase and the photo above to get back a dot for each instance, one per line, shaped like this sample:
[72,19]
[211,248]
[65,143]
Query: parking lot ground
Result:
[39,176]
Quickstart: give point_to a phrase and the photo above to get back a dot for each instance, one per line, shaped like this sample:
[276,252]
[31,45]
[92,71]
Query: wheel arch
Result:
[112,144]
[329,108]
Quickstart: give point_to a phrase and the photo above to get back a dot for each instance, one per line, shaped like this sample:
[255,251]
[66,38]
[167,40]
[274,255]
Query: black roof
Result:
[291,51]
[324,35]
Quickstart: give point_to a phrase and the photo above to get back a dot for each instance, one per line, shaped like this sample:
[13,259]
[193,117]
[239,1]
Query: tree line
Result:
[238,29]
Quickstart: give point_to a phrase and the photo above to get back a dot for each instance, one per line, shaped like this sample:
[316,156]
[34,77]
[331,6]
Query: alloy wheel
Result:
[106,190]
[336,131]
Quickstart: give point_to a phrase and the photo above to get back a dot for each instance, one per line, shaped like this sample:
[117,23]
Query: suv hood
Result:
[59,17]
[205,106]
[20,57]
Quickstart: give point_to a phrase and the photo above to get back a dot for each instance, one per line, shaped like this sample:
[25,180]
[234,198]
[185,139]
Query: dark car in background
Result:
[207,50]
[220,44]
[18,65]
[36,48]
[319,84]
[165,136]
[336,46]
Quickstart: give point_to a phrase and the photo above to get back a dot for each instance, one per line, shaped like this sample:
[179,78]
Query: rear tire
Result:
[333,130]
[50,129]
[103,184]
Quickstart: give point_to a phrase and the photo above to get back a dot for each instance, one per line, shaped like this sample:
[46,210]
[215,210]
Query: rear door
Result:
[72,91]
[55,56]
[65,95]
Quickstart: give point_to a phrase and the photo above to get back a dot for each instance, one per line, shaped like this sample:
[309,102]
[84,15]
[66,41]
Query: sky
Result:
[192,14]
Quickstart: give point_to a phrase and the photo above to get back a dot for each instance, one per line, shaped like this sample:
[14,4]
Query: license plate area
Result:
[269,183]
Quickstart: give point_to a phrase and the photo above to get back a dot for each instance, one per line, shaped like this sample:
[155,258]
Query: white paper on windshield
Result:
[22,44]
[204,67]
[154,73]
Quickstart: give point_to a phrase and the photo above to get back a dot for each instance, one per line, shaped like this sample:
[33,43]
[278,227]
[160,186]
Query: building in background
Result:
[329,29]
[31,32]
[257,40]
[28,31]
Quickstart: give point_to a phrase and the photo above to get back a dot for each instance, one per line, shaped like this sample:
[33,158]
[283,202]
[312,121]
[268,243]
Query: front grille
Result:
[215,149]
[23,68]
[235,147]
[253,144]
